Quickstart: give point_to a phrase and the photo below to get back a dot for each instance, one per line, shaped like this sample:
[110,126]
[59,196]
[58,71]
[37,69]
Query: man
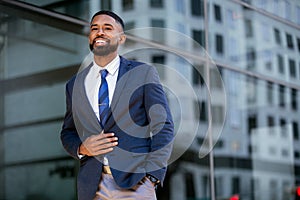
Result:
[117,122]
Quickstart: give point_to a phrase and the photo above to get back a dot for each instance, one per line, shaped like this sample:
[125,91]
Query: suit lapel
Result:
[81,100]
[82,105]
[125,66]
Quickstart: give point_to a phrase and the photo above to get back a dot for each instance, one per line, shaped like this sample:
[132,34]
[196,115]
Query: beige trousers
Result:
[109,190]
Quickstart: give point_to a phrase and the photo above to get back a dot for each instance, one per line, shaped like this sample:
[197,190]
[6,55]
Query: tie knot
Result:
[103,73]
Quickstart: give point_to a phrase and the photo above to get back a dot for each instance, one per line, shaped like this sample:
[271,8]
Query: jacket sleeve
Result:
[69,136]
[161,126]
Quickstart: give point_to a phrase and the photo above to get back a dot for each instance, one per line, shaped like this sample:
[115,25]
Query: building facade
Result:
[230,68]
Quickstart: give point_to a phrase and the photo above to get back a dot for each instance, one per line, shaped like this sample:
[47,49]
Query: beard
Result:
[103,50]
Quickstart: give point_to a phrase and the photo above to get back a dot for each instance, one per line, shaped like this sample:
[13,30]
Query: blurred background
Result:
[245,104]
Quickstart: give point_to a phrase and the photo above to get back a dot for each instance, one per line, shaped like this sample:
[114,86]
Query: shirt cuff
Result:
[80,156]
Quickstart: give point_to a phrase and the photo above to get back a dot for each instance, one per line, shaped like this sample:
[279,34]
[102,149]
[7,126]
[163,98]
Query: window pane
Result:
[295,130]
[218,14]
[156,3]
[294,99]
[277,36]
[219,44]
[270,93]
[281,96]
[197,8]
[292,65]
[199,37]
[127,5]
[248,28]
[189,182]
[289,41]
[158,34]
[280,62]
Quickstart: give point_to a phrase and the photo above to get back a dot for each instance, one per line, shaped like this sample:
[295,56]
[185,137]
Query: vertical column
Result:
[94,7]
[2,153]
[209,129]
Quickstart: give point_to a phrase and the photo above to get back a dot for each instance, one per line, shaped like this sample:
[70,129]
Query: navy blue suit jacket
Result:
[140,118]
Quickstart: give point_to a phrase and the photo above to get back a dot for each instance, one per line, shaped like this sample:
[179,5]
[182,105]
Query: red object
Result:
[298,191]
[236,197]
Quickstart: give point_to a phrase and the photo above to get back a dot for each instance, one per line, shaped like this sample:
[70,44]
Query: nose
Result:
[100,31]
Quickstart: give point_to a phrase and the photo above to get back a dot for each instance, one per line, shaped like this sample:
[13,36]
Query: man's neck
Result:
[102,61]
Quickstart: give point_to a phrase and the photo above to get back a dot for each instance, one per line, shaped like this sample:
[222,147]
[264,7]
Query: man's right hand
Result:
[98,144]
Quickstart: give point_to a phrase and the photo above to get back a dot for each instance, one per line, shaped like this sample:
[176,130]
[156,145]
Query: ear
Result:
[122,39]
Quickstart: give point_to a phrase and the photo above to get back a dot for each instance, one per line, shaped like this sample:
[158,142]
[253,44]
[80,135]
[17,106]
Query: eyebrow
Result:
[104,25]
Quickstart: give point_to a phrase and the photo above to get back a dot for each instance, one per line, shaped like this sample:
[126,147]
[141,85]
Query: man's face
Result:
[105,35]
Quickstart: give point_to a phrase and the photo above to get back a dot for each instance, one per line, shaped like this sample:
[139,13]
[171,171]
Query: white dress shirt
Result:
[93,82]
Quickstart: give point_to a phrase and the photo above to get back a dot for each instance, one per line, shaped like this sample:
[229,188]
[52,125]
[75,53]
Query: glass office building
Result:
[230,68]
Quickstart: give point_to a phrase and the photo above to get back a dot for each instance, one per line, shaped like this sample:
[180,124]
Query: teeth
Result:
[100,41]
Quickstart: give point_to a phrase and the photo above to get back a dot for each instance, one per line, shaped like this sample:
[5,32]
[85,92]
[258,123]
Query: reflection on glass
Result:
[255,45]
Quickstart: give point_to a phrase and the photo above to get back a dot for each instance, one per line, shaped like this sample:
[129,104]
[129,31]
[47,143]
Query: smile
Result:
[100,42]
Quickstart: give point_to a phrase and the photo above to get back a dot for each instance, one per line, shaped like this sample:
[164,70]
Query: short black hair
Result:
[111,14]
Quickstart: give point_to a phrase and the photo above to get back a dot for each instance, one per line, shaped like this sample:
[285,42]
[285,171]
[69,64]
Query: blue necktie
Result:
[103,99]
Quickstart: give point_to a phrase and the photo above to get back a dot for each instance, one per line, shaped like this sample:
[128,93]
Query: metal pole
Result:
[209,129]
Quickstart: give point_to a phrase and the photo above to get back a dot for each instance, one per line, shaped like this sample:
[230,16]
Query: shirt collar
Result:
[111,67]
